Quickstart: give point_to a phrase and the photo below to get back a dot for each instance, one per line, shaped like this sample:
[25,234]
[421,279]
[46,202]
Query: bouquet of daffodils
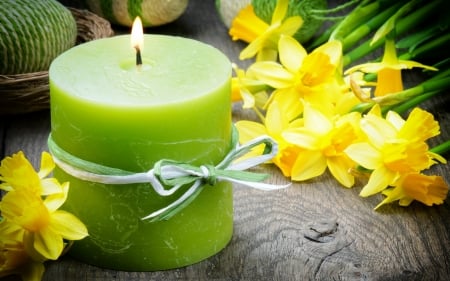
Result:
[32,228]
[329,112]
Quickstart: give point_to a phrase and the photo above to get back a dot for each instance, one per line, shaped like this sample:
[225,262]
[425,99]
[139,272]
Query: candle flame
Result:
[137,34]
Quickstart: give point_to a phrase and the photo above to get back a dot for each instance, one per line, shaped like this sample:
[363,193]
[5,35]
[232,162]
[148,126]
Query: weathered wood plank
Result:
[315,230]
[29,133]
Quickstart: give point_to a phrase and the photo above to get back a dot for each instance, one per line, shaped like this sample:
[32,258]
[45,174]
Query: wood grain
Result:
[315,230]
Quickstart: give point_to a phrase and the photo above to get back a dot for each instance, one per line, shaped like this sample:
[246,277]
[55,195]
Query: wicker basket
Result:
[28,92]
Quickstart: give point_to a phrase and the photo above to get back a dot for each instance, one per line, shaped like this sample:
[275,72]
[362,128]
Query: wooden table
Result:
[315,230]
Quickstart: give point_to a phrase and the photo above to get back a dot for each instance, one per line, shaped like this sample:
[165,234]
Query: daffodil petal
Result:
[267,54]
[10,233]
[50,186]
[47,165]
[290,25]
[289,102]
[273,74]
[309,164]
[333,49]
[280,11]
[56,200]
[393,194]
[395,119]
[316,121]
[380,179]
[253,48]
[247,98]
[408,64]
[339,168]
[437,157]
[275,119]
[68,226]
[46,243]
[377,129]
[291,52]
[249,130]
[303,138]
[365,155]
[371,67]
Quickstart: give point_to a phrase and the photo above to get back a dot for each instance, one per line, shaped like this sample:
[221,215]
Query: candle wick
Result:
[138,56]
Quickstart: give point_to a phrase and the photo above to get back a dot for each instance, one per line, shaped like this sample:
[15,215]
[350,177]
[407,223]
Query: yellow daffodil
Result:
[248,89]
[44,226]
[32,228]
[310,77]
[394,147]
[17,173]
[426,189]
[323,140]
[389,77]
[14,260]
[262,37]
[278,118]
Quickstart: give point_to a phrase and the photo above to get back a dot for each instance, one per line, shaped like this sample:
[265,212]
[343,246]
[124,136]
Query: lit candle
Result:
[177,106]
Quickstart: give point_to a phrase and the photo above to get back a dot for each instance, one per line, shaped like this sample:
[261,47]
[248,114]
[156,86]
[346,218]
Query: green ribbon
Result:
[167,176]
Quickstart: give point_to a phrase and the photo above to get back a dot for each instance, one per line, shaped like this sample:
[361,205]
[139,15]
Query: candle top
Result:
[174,70]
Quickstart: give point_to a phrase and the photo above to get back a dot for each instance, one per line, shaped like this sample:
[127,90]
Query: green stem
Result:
[404,24]
[354,19]
[362,107]
[406,99]
[432,84]
[353,38]
[407,105]
[441,148]
[441,40]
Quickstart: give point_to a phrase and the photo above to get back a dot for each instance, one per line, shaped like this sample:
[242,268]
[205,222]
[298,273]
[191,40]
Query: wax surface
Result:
[176,107]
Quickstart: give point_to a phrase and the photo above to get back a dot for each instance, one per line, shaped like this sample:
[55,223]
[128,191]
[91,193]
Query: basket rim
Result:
[78,14]
[28,92]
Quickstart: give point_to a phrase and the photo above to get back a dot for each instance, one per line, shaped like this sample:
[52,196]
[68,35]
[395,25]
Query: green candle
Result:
[176,105]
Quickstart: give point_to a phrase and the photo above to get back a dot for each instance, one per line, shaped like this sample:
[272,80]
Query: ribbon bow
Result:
[167,176]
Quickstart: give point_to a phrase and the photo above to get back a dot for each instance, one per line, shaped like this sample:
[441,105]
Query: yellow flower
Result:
[14,260]
[44,226]
[246,88]
[32,203]
[389,78]
[415,186]
[263,38]
[17,173]
[278,118]
[323,140]
[394,147]
[310,77]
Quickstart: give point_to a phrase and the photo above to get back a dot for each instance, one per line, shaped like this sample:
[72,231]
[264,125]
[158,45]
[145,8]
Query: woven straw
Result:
[28,92]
